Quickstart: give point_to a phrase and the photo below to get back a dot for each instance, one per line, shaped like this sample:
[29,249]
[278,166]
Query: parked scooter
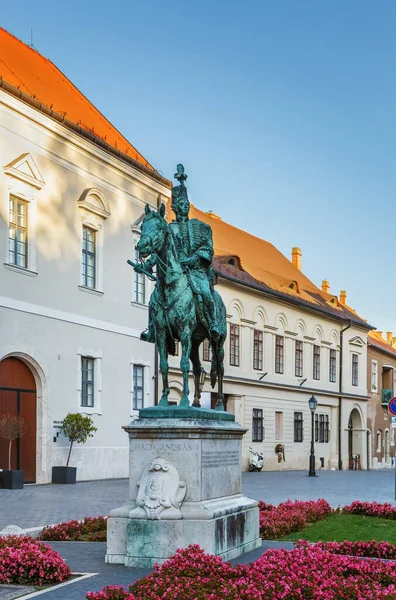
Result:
[256,461]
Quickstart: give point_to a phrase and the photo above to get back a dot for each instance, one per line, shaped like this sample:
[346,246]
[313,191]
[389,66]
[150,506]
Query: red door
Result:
[18,396]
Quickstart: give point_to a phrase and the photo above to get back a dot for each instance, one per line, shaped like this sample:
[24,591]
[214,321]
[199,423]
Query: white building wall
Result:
[285,392]
[46,316]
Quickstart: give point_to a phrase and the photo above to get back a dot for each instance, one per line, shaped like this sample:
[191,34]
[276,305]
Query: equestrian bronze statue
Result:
[184,305]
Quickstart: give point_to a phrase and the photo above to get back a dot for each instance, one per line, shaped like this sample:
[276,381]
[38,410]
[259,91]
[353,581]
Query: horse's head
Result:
[153,230]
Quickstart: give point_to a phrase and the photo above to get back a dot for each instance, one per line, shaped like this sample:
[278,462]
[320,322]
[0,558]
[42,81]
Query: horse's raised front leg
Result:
[164,367]
[185,366]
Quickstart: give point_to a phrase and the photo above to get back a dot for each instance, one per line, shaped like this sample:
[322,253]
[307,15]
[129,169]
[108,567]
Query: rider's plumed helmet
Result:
[179,191]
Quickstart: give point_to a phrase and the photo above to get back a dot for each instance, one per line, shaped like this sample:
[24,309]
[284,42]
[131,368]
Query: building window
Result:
[177,344]
[139,283]
[279,348]
[379,448]
[374,376]
[298,427]
[299,358]
[279,425]
[87,381]
[316,427]
[316,362]
[207,351]
[332,365]
[321,429]
[257,425]
[138,387]
[355,372]
[326,429]
[234,345]
[258,350]
[89,258]
[18,233]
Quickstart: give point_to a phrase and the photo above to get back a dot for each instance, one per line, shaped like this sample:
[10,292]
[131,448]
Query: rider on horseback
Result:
[194,245]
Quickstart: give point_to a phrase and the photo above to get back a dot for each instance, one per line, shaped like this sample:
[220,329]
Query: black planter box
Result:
[64,474]
[11,480]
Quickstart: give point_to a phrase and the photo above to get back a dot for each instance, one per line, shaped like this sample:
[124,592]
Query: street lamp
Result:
[312,403]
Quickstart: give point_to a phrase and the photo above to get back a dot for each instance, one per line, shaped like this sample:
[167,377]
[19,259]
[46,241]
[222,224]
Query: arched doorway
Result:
[355,439]
[18,396]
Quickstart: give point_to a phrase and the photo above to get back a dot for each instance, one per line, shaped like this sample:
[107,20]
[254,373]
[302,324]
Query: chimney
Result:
[394,341]
[389,337]
[343,297]
[325,286]
[296,257]
[380,334]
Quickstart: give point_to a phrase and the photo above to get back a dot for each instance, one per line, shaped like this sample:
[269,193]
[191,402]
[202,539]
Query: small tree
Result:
[77,428]
[12,427]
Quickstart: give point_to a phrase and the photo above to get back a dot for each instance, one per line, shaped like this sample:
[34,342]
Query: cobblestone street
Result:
[38,505]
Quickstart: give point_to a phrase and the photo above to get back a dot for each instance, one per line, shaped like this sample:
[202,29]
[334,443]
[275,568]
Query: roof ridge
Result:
[235,227]
[120,139]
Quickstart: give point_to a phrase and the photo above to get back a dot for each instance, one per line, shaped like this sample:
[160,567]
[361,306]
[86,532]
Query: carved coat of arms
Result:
[161,492]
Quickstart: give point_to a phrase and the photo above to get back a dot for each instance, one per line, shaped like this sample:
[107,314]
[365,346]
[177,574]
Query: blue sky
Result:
[283,113]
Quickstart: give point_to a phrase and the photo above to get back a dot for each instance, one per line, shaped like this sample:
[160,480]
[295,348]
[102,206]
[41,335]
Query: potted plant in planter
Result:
[12,427]
[76,428]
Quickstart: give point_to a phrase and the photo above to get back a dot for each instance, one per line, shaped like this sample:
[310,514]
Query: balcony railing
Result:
[386,395]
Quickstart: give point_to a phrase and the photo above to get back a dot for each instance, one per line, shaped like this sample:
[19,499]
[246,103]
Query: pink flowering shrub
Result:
[371,509]
[371,549]
[307,572]
[111,592]
[24,560]
[91,529]
[287,517]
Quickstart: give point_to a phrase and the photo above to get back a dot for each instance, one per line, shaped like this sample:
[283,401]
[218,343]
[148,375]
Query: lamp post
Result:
[312,402]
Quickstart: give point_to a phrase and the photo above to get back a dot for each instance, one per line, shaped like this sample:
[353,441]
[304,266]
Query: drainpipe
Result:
[340,396]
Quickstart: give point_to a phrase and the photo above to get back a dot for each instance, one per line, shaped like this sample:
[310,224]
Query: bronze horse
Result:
[175,311]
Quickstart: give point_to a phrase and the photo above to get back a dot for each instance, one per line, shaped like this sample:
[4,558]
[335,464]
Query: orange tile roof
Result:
[375,339]
[26,69]
[262,264]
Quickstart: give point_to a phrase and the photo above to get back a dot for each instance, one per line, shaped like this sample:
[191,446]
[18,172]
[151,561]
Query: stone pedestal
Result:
[184,488]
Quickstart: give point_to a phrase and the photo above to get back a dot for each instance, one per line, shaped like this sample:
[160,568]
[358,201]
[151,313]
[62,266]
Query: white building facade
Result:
[280,351]
[71,311]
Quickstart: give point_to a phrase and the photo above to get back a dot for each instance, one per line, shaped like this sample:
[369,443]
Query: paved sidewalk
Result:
[38,505]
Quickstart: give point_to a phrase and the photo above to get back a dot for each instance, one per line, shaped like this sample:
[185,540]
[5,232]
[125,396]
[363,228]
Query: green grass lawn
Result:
[337,528]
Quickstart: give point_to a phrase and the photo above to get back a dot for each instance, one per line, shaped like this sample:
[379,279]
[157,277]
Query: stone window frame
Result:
[299,358]
[94,211]
[374,376]
[25,187]
[257,425]
[138,362]
[258,349]
[97,356]
[298,426]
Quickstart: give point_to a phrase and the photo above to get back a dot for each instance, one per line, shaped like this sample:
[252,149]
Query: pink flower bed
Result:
[371,549]
[307,572]
[371,509]
[287,517]
[91,529]
[23,560]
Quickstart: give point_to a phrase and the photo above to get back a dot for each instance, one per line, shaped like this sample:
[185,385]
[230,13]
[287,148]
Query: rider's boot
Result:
[148,335]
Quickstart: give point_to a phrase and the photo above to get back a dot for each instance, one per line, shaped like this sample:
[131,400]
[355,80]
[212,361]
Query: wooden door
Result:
[18,396]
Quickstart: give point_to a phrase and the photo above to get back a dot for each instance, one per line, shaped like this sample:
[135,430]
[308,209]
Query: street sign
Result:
[392,406]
